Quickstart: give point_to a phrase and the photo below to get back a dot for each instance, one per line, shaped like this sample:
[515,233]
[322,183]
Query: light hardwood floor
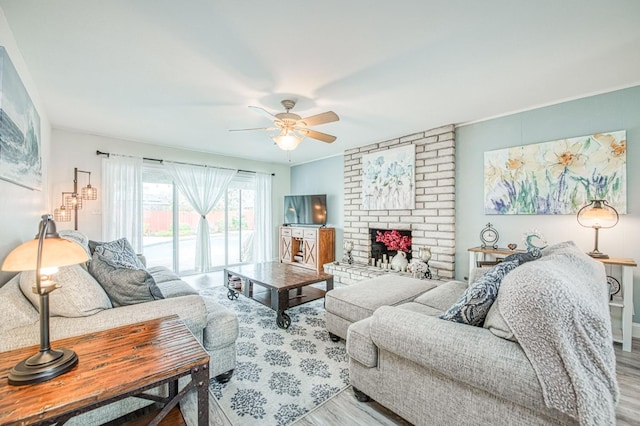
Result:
[345,409]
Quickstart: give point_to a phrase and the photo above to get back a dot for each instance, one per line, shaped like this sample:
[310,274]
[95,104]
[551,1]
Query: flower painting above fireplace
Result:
[557,177]
[388,181]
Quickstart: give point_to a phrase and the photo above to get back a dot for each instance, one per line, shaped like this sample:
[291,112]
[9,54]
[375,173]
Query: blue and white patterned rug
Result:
[280,374]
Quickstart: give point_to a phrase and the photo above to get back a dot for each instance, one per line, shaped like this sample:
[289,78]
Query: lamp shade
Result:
[598,214]
[89,193]
[56,252]
[62,214]
[287,141]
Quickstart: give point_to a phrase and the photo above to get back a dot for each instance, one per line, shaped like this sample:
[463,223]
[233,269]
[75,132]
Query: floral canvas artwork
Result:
[557,177]
[388,181]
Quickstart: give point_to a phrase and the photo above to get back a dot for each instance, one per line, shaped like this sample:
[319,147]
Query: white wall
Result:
[71,149]
[619,110]
[21,207]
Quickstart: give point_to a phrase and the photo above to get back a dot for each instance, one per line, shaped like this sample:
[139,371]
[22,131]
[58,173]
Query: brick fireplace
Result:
[431,222]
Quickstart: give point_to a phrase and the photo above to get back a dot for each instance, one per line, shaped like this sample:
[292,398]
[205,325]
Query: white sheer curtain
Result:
[263,233]
[203,187]
[122,199]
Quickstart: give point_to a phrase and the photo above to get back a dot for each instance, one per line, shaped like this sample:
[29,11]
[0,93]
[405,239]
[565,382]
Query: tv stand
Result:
[307,247]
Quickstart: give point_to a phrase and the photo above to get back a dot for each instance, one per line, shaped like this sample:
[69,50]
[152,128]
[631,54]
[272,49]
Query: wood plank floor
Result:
[345,409]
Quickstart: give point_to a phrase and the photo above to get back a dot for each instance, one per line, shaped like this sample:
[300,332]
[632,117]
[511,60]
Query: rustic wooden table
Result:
[279,279]
[113,364]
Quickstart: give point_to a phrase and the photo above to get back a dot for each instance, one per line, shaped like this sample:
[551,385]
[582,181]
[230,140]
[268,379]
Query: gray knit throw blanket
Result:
[557,308]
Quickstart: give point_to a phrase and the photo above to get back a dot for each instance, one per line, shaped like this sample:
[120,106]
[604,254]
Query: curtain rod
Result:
[98,152]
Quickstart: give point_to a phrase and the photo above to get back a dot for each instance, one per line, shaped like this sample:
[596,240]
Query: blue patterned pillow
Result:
[473,305]
[120,253]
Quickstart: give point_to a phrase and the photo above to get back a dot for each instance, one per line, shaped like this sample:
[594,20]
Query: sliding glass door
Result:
[170,224]
[158,201]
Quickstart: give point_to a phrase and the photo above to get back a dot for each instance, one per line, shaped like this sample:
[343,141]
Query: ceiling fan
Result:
[294,128]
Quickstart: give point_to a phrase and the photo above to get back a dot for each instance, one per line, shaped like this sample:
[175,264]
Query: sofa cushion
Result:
[358,301]
[16,310]
[359,344]
[443,296]
[474,304]
[169,283]
[78,294]
[496,323]
[421,309]
[123,285]
[222,325]
[120,253]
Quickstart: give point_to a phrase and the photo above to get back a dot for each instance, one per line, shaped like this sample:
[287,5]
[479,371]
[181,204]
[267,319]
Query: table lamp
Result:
[598,214]
[44,254]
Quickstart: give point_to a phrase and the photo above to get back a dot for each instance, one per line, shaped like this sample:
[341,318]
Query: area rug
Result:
[280,374]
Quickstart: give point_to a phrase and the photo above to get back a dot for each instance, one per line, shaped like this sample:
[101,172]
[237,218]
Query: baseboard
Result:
[635,330]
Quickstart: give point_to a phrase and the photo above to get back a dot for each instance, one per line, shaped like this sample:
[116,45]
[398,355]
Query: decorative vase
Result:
[424,253]
[399,261]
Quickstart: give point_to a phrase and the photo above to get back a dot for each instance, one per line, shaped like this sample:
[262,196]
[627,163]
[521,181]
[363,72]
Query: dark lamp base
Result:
[598,255]
[42,367]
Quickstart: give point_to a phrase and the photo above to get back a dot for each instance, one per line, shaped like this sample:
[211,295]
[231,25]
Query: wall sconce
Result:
[598,214]
[73,202]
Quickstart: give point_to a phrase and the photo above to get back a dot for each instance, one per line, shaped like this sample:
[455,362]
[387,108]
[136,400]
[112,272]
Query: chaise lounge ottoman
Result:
[355,302]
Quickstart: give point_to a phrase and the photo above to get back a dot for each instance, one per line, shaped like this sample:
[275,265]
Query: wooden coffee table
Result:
[287,286]
[113,364]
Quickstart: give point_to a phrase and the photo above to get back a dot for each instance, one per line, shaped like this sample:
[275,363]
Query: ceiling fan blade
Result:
[325,117]
[254,128]
[263,112]
[323,137]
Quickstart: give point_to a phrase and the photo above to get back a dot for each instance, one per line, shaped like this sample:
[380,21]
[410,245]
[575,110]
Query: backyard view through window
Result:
[165,210]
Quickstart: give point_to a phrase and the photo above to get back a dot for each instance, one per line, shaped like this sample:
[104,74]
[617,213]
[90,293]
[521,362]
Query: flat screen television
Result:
[305,209]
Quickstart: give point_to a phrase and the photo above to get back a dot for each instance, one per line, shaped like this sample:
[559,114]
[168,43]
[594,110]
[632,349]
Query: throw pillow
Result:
[17,310]
[125,286]
[76,236]
[93,244]
[78,294]
[496,323]
[120,253]
[474,304]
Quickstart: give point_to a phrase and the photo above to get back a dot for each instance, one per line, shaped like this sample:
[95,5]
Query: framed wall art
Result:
[388,179]
[557,177]
[20,147]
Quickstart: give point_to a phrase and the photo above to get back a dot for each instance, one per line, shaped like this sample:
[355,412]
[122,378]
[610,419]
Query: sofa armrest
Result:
[465,353]
[190,309]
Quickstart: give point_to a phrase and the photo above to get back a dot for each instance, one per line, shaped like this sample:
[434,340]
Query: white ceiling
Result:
[182,73]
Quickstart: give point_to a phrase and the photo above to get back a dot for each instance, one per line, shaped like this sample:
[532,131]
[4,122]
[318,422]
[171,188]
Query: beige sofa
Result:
[436,372]
[212,324]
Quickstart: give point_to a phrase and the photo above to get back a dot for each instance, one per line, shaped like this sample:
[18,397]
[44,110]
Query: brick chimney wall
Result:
[431,222]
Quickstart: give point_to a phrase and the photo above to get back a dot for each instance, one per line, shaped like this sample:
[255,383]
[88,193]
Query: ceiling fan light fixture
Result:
[287,141]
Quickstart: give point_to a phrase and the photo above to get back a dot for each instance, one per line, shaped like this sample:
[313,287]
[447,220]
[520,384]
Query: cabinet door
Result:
[310,252]
[285,248]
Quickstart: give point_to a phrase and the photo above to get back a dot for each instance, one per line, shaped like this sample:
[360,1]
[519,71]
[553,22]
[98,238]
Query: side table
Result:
[113,364]
[476,253]
[626,302]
